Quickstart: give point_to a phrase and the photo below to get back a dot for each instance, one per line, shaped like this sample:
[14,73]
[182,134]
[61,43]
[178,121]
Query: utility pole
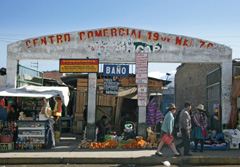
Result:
[167,75]
[35,66]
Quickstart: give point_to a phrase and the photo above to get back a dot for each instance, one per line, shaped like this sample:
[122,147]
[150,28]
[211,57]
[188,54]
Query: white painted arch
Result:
[119,44]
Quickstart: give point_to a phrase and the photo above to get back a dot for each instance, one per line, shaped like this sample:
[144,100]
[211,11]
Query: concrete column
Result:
[142,122]
[11,72]
[92,96]
[226,90]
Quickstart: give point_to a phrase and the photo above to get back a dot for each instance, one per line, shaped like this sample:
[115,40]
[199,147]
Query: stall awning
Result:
[128,93]
[38,92]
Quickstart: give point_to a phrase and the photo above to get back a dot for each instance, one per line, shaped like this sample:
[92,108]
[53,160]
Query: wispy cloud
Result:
[160,75]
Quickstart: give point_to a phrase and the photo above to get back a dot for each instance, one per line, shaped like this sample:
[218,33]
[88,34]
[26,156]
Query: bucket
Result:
[6,139]
[57,136]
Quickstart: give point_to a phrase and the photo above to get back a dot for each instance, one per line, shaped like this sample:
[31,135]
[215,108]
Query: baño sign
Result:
[116,70]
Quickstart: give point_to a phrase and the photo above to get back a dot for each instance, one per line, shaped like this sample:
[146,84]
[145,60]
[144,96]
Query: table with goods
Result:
[31,135]
[7,132]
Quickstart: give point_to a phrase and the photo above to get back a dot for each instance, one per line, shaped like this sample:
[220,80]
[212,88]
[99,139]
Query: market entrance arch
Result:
[120,44]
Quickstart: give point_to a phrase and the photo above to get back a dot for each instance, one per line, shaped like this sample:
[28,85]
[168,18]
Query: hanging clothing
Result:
[4,102]
[52,103]
[46,109]
[10,103]
[58,108]
[153,114]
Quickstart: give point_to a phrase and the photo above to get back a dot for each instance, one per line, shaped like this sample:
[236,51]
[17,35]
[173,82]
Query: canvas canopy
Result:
[38,92]
[128,93]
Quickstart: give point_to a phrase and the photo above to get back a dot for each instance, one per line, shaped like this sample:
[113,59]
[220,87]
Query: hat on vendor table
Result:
[200,107]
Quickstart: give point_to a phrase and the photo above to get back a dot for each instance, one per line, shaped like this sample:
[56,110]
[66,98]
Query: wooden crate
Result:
[78,115]
[74,129]
[6,146]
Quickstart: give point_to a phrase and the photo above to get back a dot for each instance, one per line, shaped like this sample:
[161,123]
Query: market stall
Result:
[33,127]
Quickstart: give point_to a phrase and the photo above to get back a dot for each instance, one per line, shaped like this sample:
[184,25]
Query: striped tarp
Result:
[153,114]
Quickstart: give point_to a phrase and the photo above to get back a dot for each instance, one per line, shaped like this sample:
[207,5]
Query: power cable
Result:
[10,38]
[14,34]
[6,41]
[222,37]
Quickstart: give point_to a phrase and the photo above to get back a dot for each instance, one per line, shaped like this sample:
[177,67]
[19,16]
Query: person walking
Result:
[166,131]
[185,128]
[199,132]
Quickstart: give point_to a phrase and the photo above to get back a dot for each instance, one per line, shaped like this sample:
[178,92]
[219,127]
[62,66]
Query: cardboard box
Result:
[234,146]
[79,119]
[65,123]
[78,115]
[74,123]
[74,129]
[79,126]
[42,117]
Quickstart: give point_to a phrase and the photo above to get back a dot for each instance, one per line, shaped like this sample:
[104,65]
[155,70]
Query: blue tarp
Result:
[210,147]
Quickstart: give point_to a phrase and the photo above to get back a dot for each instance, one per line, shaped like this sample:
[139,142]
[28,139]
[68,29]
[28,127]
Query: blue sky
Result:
[214,20]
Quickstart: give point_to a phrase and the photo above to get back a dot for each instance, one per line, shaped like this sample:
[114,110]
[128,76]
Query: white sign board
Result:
[142,101]
[141,68]
[142,95]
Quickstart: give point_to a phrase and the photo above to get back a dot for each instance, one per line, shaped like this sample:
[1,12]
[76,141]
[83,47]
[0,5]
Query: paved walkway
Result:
[66,151]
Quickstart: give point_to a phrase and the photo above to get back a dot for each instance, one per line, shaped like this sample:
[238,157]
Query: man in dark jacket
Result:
[101,124]
[185,127]
[12,114]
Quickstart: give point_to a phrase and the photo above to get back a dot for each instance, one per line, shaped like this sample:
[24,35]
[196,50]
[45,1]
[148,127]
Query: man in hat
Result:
[199,132]
[185,127]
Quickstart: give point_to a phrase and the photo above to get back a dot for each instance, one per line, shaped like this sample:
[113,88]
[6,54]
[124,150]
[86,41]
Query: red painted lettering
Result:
[28,42]
[67,37]
[149,35]
[81,34]
[190,43]
[202,43]
[105,33]
[133,32]
[89,34]
[43,40]
[35,41]
[208,45]
[59,39]
[168,40]
[127,32]
[113,32]
[139,35]
[155,37]
[51,39]
[163,38]
[98,33]
[185,42]
[120,32]
[178,41]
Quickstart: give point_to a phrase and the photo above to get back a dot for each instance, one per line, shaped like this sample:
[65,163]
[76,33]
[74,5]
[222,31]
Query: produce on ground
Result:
[124,144]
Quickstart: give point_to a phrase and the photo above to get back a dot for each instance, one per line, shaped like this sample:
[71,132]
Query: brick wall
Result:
[190,84]
[53,75]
